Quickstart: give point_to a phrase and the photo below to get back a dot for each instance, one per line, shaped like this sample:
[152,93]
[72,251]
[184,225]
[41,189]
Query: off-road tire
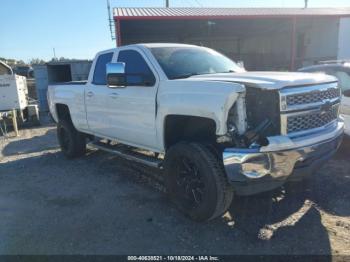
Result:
[72,142]
[218,193]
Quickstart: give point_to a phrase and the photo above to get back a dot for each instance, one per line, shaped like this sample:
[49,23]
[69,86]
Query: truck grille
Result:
[311,120]
[307,108]
[312,97]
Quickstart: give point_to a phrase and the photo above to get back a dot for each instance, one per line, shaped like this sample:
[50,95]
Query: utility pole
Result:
[306,2]
[54,53]
[167,3]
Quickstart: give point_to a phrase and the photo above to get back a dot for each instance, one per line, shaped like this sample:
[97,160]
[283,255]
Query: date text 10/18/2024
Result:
[173,258]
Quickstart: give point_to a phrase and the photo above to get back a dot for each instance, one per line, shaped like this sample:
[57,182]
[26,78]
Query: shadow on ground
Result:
[31,145]
[100,204]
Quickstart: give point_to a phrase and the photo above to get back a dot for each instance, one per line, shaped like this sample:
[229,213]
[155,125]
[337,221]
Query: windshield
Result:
[183,62]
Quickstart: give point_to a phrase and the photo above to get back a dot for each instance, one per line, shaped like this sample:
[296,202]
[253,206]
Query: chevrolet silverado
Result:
[215,129]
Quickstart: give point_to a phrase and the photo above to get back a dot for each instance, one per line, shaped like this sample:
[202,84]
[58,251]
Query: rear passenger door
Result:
[134,106]
[98,114]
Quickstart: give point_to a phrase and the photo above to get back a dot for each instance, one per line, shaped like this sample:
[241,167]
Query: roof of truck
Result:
[150,45]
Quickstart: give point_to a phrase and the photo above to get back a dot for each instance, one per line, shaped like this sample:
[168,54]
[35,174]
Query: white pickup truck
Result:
[214,128]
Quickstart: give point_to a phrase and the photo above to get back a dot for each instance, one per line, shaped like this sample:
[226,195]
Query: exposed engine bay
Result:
[261,118]
[292,111]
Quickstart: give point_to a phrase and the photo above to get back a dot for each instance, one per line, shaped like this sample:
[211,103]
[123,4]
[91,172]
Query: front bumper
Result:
[253,171]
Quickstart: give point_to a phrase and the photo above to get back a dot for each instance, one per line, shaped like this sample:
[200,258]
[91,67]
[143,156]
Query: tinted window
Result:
[136,68]
[100,69]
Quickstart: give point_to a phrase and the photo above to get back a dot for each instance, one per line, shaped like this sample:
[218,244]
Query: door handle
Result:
[90,94]
[114,95]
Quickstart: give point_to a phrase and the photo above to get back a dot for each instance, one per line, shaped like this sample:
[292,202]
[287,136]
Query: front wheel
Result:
[196,181]
[72,142]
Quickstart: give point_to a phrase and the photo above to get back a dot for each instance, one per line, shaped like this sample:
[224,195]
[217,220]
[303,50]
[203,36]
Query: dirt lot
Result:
[100,204]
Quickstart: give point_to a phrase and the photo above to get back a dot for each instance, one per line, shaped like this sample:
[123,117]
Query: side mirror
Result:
[346,93]
[240,63]
[116,74]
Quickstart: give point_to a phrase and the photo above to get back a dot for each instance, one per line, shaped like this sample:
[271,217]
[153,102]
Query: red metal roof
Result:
[173,13]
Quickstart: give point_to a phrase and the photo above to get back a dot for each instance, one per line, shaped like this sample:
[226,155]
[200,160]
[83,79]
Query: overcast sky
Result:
[79,28]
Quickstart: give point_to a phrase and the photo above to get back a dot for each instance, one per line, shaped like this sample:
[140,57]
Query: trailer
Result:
[14,101]
[13,92]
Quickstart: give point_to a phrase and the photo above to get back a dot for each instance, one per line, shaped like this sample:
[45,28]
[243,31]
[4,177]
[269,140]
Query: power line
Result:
[198,3]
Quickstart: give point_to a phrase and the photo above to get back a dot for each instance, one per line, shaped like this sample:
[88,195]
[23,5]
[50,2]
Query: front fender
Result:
[208,99]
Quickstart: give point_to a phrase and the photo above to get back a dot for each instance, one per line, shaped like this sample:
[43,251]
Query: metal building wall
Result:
[262,43]
[41,84]
[80,70]
[316,40]
[344,39]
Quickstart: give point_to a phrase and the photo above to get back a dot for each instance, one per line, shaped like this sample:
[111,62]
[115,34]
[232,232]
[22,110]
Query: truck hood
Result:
[267,80]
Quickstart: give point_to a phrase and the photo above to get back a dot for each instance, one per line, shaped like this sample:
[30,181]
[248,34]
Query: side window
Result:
[100,69]
[136,68]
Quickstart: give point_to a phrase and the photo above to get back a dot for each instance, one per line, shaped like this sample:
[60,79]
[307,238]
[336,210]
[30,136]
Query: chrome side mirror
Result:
[116,75]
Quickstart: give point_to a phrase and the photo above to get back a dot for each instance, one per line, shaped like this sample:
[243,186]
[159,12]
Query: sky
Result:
[79,28]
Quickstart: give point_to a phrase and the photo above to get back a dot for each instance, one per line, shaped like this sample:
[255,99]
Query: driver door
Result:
[134,106]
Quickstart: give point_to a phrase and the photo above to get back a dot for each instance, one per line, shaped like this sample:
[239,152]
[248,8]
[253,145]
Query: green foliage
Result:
[36,61]
[12,62]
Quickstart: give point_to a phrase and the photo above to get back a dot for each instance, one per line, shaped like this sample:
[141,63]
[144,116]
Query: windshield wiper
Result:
[229,71]
[185,76]
[196,74]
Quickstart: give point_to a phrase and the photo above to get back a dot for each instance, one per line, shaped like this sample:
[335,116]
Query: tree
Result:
[37,61]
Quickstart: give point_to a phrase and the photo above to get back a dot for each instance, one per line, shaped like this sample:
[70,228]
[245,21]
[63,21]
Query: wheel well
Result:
[63,112]
[188,128]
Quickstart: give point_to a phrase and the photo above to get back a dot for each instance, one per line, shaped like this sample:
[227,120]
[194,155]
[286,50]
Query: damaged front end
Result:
[288,134]
[253,117]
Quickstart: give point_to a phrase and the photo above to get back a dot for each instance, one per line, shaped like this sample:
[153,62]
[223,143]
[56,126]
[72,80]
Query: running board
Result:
[126,153]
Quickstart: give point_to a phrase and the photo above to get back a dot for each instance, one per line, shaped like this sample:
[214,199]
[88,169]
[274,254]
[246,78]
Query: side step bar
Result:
[128,154]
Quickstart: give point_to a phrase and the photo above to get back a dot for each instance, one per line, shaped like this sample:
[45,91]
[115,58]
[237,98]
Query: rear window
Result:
[100,69]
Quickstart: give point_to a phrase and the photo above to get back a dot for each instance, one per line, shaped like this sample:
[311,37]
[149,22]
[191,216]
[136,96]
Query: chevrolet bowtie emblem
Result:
[325,107]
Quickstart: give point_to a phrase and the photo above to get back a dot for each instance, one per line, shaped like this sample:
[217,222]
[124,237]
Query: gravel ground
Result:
[100,204]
